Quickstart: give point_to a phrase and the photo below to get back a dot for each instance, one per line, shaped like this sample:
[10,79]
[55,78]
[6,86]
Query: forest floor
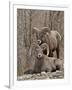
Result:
[42,75]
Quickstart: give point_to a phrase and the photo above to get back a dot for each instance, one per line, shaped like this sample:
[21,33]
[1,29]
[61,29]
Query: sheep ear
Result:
[45,29]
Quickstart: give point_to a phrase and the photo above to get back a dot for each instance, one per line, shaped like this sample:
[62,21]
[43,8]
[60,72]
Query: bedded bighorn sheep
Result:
[36,55]
[43,62]
[52,38]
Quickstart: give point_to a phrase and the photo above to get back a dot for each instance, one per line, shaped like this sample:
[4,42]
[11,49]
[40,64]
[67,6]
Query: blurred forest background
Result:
[26,20]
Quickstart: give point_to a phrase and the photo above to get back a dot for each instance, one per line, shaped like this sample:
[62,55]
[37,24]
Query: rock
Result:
[61,77]
[19,78]
[43,73]
[38,74]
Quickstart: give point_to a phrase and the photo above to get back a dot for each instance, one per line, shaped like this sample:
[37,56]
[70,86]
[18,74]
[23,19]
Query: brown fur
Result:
[52,64]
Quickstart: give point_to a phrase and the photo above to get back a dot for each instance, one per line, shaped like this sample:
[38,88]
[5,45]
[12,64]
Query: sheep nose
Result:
[39,55]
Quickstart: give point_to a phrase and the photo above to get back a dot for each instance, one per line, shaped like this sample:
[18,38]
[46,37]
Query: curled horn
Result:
[45,29]
[35,32]
[35,29]
[45,46]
